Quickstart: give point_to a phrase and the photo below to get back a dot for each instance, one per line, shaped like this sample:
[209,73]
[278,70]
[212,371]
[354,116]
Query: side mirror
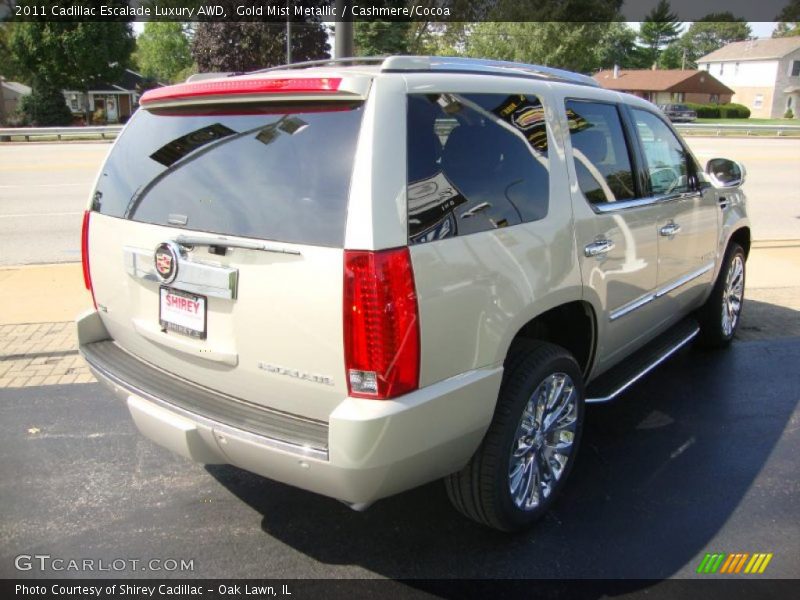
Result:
[725,173]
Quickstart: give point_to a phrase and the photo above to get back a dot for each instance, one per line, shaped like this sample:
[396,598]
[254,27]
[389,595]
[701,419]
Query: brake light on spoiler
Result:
[243,86]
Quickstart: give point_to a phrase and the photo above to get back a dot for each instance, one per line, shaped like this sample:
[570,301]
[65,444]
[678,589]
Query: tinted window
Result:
[275,173]
[602,163]
[667,161]
[475,162]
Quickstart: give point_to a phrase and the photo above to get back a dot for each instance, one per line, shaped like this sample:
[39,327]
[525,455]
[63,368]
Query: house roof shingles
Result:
[672,80]
[761,49]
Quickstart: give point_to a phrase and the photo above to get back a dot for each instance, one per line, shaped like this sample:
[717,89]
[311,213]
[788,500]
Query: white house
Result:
[764,73]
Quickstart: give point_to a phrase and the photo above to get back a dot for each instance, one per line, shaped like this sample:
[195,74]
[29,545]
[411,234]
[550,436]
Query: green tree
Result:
[786,29]
[232,46]
[617,46]
[71,55]
[577,46]
[658,30]
[45,106]
[162,51]
[375,38]
[710,33]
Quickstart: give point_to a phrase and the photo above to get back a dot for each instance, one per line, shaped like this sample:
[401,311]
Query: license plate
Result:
[182,312]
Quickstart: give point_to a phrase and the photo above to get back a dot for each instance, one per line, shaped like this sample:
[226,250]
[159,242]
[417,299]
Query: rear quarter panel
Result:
[477,291]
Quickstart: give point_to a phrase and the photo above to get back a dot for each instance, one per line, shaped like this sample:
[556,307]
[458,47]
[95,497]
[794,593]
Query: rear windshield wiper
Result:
[219,245]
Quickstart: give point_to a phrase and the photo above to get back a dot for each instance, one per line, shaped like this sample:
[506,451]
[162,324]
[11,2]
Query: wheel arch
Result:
[571,325]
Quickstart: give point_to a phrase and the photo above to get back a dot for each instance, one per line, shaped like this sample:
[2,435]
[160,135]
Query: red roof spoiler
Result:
[236,86]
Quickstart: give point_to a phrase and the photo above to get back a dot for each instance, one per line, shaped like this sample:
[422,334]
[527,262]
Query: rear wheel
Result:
[719,318]
[527,454]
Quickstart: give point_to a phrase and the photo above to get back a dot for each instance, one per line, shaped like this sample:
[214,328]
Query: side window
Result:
[476,162]
[667,160]
[602,162]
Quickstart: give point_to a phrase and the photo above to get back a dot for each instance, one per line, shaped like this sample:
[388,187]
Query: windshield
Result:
[269,172]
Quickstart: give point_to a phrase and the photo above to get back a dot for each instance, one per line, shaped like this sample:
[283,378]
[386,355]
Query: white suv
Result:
[356,277]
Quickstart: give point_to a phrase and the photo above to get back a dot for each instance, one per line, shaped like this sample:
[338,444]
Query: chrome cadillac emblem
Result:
[166,259]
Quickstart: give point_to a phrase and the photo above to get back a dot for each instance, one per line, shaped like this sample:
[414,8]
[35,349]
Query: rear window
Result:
[272,172]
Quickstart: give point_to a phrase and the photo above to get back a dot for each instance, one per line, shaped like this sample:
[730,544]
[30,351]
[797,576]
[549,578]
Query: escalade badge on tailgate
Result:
[166,259]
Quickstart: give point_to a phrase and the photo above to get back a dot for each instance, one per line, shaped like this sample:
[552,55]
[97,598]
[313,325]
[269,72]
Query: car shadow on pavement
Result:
[660,471]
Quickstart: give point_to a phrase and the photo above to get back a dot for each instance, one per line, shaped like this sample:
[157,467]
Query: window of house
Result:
[602,162]
[736,69]
[758,101]
[795,69]
[721,68]
[678,96]
[476,162]
[714,98]
[667,159]
[73,102]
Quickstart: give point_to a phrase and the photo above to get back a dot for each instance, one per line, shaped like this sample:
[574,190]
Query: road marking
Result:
[29,215]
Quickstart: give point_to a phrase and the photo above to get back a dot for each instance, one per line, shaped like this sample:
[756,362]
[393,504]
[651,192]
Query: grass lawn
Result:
[752,121]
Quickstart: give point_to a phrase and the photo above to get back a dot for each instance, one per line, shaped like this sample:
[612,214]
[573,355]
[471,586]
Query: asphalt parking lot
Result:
[700,457]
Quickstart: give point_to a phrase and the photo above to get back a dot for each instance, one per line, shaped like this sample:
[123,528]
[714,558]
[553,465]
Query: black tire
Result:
[481,490]
[714,333]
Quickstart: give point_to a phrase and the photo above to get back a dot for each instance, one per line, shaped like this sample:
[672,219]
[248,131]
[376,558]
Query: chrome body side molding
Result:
[647,298]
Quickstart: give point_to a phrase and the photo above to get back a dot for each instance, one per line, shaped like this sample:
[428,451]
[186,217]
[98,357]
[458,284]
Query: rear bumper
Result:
[367,450]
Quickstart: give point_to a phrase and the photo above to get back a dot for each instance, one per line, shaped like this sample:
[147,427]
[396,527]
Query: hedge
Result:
[720,111]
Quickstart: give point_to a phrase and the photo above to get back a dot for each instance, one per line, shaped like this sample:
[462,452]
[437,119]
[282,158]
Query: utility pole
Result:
[288,32]
[2,102]
[343,44]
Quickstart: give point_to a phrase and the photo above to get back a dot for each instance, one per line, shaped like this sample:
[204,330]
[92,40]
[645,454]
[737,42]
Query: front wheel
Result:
[530,447]
[719,317]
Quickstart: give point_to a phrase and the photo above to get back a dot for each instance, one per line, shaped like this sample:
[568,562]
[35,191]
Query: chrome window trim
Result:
[609,207]
[662,291]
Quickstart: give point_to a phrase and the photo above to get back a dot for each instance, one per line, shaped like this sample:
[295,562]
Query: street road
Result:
[44,189]
[701,456]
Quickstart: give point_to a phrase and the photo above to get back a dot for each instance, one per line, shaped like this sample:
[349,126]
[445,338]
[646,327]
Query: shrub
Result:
[720,111]
[45,105]
[788,114]
[99,117]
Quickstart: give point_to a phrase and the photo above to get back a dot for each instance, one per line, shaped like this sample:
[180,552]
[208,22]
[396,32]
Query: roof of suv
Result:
[347,79]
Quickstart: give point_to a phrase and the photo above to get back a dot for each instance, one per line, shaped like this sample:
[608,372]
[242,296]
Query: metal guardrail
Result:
[6,133]
[719,128]
[112,131]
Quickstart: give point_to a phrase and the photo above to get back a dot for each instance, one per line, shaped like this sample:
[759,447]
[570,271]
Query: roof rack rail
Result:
[446,64]
[478,66]
[354,60]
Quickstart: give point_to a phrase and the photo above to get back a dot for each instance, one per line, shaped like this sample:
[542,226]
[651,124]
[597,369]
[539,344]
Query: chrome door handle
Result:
[597,248]
[670,229]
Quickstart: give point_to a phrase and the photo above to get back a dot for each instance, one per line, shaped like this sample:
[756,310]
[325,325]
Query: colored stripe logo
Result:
[738,562]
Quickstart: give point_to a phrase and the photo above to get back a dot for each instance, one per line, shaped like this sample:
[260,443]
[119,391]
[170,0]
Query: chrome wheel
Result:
[733,295]
[543,441]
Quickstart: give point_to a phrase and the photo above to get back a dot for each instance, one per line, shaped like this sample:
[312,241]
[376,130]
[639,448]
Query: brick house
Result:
[666,86]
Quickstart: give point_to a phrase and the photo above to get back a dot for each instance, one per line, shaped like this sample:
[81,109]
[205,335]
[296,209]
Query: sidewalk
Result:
[39,303]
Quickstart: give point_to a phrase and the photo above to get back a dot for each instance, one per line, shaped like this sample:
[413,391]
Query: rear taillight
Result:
[87,274]
[381,324]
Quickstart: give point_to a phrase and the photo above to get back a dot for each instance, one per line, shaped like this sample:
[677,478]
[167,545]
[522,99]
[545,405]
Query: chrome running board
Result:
[614,382]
